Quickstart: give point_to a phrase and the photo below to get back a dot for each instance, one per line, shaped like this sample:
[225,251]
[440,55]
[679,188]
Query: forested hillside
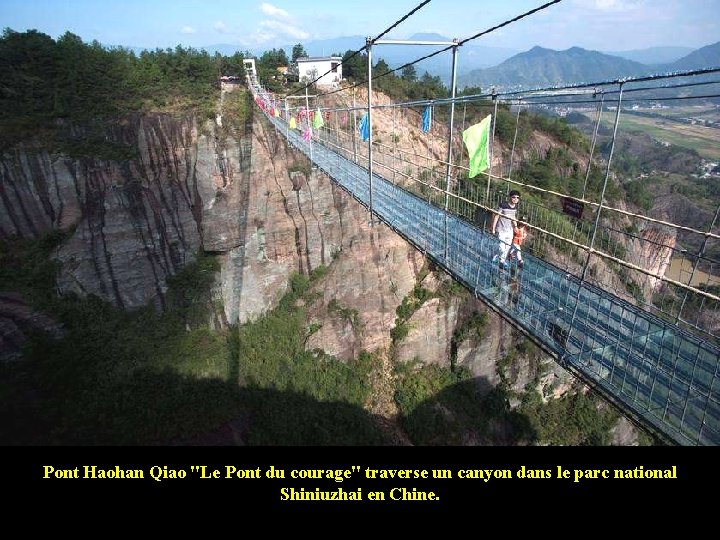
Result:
[46,82]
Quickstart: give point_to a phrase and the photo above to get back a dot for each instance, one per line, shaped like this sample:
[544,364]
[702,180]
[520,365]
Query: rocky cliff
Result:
[237,190]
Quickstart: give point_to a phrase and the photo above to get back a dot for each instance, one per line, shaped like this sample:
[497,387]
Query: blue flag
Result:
[364,128]
[427,119]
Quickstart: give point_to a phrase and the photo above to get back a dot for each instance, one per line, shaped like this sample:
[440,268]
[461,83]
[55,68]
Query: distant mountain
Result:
[708,56]
[326,47]
[470,57]
[653,55]
[546,67]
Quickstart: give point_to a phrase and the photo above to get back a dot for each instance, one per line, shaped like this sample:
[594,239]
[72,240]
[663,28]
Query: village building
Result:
[329,67]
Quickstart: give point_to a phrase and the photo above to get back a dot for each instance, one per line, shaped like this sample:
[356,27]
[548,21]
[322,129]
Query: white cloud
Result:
[221,27]
[188,30]
[610,5]
[257,38]
[277,26]
[273,11]
[285,29]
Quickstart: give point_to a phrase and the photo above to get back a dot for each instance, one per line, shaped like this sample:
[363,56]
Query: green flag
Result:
[317,122]
[476,139]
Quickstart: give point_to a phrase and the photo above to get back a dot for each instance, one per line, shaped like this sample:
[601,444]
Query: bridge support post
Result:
[354,137]
[453,88]
[369,42]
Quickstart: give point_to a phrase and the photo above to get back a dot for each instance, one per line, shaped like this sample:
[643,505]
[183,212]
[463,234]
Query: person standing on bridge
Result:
[517,241]
[504,224]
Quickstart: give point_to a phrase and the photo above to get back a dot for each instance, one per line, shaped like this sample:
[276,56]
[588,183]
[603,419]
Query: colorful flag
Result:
[307,134]
[364,128]
[293,123]
[476,139]
[427,119]
[317,122]
[276,113]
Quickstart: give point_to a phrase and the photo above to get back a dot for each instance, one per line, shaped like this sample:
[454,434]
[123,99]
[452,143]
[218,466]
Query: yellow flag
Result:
[476,139]
[292,124]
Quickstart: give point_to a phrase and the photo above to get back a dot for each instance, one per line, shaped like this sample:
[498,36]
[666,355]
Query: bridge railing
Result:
[660,374]
[671,270]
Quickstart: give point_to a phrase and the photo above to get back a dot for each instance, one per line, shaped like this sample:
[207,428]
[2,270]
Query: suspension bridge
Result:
[581,295]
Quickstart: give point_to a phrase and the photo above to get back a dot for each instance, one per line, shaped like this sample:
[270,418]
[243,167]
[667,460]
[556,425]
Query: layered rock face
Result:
[136,222]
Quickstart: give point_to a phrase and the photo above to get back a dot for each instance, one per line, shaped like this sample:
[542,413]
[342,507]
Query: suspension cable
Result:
[461,42]
[396,23]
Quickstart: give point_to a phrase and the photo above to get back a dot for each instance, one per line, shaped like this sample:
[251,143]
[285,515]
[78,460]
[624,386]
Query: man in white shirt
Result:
[504,224]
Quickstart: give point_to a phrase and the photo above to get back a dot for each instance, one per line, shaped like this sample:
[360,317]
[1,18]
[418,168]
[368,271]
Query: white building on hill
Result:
[310,69]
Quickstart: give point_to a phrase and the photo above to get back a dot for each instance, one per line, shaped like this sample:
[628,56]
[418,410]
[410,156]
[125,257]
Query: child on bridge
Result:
[519,236]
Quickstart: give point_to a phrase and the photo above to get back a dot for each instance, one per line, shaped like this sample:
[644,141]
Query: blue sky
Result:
[608,25]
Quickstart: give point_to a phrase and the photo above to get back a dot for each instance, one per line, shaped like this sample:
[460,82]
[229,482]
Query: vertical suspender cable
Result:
[607,176]
[492,145]
[307,119]
[368,42]
[512,152]
[592,146]
[395,139]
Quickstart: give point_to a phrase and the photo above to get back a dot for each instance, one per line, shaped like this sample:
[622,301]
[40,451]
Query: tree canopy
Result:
[298,51]
[45,80]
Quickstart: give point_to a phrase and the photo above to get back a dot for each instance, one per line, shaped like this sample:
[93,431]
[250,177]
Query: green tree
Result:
[354,67]
[298,51]
[409,74]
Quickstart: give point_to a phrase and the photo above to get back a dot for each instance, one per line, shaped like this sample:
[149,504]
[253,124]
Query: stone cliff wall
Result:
[135,222]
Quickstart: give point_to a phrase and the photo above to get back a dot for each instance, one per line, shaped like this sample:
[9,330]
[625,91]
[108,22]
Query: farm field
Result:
[667,127]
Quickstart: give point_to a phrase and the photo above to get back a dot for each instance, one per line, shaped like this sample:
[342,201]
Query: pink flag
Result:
[307,134]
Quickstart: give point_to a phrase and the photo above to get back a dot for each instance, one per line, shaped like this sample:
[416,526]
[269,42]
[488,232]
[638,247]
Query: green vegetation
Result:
[447,406]
[48,83]
[440,406]
[118,377]
[561,130]
[238,109]
[401,88]
[146,377]
[348,314]
[409,305]
[26,267]
[571,420]
[272,356]
[472,327]
[638,194]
